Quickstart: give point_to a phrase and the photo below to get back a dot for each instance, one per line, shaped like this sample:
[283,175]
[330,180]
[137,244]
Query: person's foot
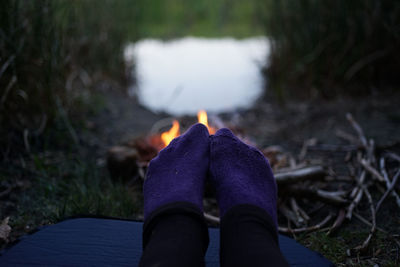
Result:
[179,171]
[241,174]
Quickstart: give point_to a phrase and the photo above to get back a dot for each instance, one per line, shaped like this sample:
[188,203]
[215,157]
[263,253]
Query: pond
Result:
[185,75]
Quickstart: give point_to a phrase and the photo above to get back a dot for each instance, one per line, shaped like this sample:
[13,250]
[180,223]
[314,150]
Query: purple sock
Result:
[179,171]
[241,174]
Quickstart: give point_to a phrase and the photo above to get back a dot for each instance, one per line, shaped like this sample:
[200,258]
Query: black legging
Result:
[177,235]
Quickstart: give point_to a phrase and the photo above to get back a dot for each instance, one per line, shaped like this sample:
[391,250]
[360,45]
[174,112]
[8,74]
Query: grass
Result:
[328,48]
[62,184]
[382,249]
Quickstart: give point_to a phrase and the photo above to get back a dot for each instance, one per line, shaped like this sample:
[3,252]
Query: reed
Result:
[329,48]
[47,45]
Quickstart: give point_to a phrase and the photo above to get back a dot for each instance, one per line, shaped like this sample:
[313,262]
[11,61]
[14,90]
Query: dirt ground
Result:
[288,126]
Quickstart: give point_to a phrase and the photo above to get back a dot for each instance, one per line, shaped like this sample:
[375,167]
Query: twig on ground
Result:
[365,221]
[393,156]
[389,190]
[338,222]
[387,180]
[306,144]
[365,244]
[298,175]
[353,204]
[358,129]
[335,198]
[346,136]
[306,229]
[296,209]
[290,215]
[372,170]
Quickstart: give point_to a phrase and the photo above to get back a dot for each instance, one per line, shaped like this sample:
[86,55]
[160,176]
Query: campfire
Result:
[168,136]
[311,194]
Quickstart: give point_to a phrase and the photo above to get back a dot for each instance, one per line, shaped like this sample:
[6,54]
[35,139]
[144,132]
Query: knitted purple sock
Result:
[179,171]
[241,174]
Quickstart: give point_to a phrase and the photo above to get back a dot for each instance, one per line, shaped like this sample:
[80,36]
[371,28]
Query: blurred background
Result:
[77,77]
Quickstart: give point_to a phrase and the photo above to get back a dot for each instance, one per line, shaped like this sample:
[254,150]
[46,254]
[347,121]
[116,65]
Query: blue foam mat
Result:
[107,242]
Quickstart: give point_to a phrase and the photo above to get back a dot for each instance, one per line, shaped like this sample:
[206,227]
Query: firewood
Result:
[298,175]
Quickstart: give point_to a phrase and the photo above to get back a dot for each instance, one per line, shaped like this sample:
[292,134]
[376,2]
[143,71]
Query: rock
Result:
[122,163]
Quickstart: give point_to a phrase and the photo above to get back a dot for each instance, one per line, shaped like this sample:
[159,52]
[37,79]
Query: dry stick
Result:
[304,214]
[393,156]
[296,210]
[365,221]
[306,229]
[298,175]
[387,180]
[306,144]
[290,215]
[392,185]
[358,129]
[357,198]
[211,218]
[372,170]
[346,136]
[364,245]
[338,222]
[335,198]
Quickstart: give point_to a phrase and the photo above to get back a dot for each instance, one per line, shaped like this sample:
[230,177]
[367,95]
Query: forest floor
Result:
[60,177]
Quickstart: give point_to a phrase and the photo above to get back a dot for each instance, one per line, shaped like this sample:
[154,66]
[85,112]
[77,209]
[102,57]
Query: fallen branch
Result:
[389,190]
[393,156]
[365,244]
[346,136]
[365,221]
[290,215]
[298,175]
[335,198]
[358,129]
[372,170]
[306,229]
[387,180]
[300,213]
[338,222]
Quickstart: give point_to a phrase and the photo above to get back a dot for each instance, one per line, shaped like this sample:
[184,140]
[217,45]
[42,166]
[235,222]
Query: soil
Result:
[286,126]
[268,123]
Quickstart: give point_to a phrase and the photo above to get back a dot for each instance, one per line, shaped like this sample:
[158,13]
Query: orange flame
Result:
[174,132]
[202,118]
[167,137]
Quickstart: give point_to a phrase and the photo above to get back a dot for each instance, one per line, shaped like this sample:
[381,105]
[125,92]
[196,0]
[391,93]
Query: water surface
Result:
[185,75]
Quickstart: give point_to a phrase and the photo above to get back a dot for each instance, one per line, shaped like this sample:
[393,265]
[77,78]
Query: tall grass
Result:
[47,45]
[333,47]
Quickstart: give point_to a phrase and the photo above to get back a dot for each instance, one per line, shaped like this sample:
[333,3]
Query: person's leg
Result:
[175,233]
[249,238]
[246,195]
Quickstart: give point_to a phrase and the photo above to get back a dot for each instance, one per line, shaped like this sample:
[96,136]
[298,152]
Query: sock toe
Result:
[225,132]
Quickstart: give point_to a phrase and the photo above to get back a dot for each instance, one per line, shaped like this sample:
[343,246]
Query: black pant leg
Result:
[249,238]
[175,235]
